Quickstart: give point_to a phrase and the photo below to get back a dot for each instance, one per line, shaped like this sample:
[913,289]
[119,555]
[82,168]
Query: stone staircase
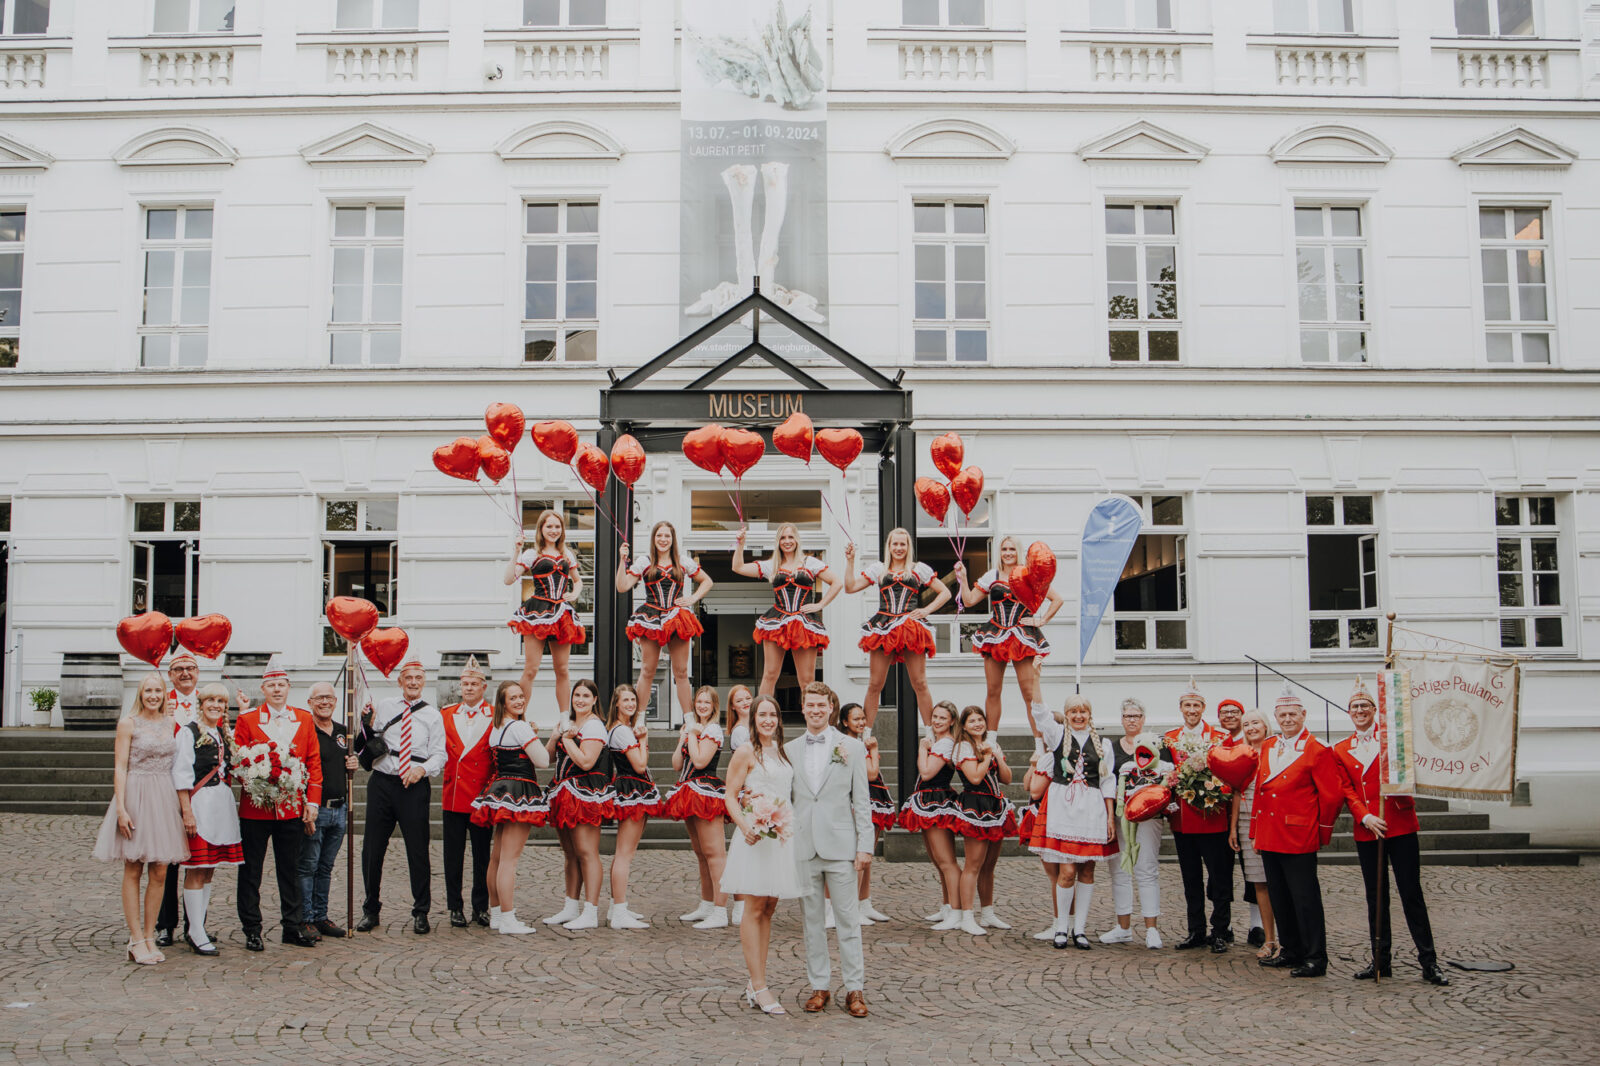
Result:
[45,771]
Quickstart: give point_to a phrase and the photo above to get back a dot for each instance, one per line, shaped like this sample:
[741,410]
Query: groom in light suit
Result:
[833,841]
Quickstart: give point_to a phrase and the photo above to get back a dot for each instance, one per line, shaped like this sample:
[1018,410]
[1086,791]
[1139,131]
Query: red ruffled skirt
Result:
[884,812]
[1025,823]
[700,797]
[908,637]
[635,797]
[563,630]
[1011,645]
[791,635]
[203,854]
[510,799]
[582,799]
[1055,849]
[679,624]
[930,808]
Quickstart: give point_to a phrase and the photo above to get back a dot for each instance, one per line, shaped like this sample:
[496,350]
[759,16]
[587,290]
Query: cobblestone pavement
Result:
[669,994]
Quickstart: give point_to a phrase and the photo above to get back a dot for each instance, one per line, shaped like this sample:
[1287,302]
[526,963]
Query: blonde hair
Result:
[911,547]
[1256,714]
[777,551]
[137,709]
[1074,701]
[949,709]
[730,716]
[213,691]
[999,547]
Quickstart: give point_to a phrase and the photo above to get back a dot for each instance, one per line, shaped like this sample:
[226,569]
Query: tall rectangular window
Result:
[177,286]
[368,250]
[166,558]
[1528,561]
[951,249]
[13,227]
[1150,606]
[1494,18]
[560,306]
[942,13]
[1130,14]
[361,557]
[24,16]
[1518,323]
[194,16]
[563,12]
[1314,16]
[376,15]
[1330,268]
[1342,572]
[1142,282]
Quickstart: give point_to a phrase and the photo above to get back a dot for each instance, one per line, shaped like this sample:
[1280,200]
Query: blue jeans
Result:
[316,862]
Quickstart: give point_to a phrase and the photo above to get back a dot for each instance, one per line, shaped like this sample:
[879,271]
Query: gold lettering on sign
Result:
[759,406]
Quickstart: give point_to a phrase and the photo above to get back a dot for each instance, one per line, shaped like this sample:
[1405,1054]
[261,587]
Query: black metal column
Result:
[897,475]
[613,659]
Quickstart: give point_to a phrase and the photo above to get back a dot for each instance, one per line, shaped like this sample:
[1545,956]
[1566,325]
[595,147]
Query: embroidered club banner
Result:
[1396,746]
[1464,724]
[1108,535]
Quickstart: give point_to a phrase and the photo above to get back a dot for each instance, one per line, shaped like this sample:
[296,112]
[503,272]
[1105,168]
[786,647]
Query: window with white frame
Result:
[1494,18]
[952,13]
[1150,605]
[177,286]
[1330,271]
[1528,561]
[950,246]
[18,17]
[563,12]
[1342,572]
[1142,282]
[166,558]
[376,15]
[1518,322]
[560,306]
[361,557]
[577,514]
[13,227]
[937,543]
[1314,16]
[1130,14]
[368,250]
[194,16]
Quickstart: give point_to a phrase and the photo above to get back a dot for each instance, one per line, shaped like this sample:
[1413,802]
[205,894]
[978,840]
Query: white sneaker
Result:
[863,920]
[738,912]
[951,921]
[588,918]
[990,920]
[969,924]
[939,915]
[1152,938]
[827,914]
[1117,935]
[717,919]
[570,909]
[622,918]
[698,913]
[510,926]
[869,911]
[1047,933]
[494,918]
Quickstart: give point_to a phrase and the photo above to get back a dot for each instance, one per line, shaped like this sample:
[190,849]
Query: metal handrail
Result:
[1327,704]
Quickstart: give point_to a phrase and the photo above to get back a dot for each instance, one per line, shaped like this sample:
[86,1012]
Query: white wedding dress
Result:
[767,867]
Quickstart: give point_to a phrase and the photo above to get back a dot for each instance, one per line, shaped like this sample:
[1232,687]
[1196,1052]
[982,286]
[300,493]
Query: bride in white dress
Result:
[760,868]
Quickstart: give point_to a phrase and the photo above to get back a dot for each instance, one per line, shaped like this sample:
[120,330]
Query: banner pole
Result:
[1380,887]
[350,718]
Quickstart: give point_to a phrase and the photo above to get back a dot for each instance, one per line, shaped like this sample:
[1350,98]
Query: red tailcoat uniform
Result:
[1188,819]
[1295,808]
[468,764]
[1361,793]
[303,746]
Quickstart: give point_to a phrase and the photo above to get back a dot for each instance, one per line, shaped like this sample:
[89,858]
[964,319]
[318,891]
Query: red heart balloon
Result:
[385,648]
[1147,803]
[1022,587]
[627,460]
[556,440]
[505,423]
[495,460]
[795,436]
[1234,764]
[146,636]
[1041,564]
[934,498]
[593,466]
[948,453]
[458,459]
[352,617]
[966,488]
[839,446]
[703,447]
[207,635]
[741,449]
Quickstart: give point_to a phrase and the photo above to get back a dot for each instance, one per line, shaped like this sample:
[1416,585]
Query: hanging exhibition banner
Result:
[1108,535]
[1463,714]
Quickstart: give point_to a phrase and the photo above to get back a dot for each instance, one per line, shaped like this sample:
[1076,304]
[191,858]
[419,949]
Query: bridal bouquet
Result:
[1196,785]
[769,816]
[272,777]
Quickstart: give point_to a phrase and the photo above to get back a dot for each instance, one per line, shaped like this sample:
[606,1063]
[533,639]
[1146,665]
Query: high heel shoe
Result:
[138,955]
[765,1008]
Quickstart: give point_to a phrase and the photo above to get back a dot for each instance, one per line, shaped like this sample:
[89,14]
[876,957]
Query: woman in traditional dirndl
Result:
[930,810]
[793,624]
[1076,824]
[851,720]
[202,774]
[580,799]
[899,631]
[1011,635]
[511,802]
[984,819]
[666,619]
[547,618]
[698,802]
[634,797]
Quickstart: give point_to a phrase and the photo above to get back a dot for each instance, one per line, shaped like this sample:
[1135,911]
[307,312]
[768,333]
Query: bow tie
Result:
[821,738]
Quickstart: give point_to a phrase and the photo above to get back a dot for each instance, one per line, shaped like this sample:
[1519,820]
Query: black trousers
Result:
[1206,862]
[167,918]
[1296,896]
[1403,854]
[458,829]
[390,804]
[286,836]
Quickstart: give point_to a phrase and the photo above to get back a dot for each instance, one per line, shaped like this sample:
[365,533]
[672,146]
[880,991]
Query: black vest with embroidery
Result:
[206,757]
[1062,775]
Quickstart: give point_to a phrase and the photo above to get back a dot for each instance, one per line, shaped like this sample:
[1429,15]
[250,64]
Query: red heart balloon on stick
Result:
[458,459]
[1041,564]
[1234,764]
[741,449]
[505,424]
[934,498]
[948,453]
[495,460]
[352,617]
[146,636]
[385,648]
[795,437]
[1022,587]
[555,440]
[1147,803]
[207,635]
[593,467]
[627,460]
[966,488]
[703,447]
[839,447]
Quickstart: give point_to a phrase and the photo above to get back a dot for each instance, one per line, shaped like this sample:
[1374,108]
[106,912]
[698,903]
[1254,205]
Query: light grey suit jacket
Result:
[834,822]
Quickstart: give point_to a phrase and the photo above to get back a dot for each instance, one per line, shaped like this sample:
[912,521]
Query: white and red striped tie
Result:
[405,741]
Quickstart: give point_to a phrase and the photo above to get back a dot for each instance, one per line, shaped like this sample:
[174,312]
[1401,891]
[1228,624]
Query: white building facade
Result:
[1314,282]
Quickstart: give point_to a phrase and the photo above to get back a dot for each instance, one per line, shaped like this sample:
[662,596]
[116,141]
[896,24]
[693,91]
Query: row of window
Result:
[952,297]
[1151,610]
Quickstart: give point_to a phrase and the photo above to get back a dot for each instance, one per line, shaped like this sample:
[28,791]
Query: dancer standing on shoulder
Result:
[511,803]
[899,631]
[698,802]
[547,619]
[793,623]
[580,800]
[634,797]
[931,810]
[666,618]
[1011,635]
[1076,825]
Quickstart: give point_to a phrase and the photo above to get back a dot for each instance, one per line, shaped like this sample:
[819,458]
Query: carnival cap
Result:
[1192,692]
[274,669]
[472,669]
[1287,698]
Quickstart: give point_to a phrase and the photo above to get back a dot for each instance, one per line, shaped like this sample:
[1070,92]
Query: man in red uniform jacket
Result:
[1204,858]
[467,768]
[286,826]
[1298,796]
[1396,825]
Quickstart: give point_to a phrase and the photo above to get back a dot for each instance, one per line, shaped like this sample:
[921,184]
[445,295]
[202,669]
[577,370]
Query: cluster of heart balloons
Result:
[964,483]
[356,620]
[151,635]
[716,448]
[1030,580]
[490,454]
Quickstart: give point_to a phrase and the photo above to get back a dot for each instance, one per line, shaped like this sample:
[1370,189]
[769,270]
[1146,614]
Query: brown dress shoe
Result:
[856,1004]
[819,999]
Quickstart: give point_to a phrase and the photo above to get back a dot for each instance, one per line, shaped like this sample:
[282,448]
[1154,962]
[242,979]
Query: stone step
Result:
[12,761]
[26,739]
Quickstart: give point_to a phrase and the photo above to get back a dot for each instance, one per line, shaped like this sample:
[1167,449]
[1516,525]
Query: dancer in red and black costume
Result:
[984,818]
[511,802]
[547,619]
[580,800]
[1011,635]
[666,618]
[634,797]
[698,802]
[899,631]
[930,810]
[794,622]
